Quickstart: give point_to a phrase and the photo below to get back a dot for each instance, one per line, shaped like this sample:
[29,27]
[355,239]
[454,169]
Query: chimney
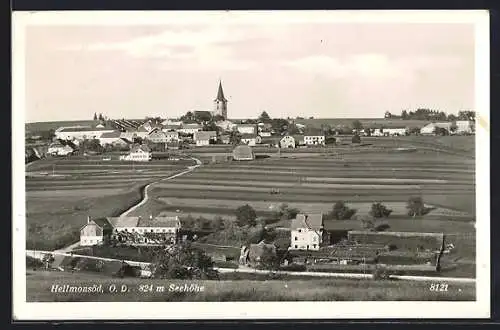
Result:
[88,219]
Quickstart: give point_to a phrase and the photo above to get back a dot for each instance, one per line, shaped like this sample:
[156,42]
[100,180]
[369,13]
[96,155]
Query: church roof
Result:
[220,93]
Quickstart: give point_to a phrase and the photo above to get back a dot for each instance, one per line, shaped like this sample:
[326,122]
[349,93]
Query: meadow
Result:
[40,282]
[62,192]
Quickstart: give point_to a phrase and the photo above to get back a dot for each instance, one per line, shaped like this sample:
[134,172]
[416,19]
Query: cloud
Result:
[371,65]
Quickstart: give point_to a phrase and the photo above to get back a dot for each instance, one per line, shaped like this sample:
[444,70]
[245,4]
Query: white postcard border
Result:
[252,310]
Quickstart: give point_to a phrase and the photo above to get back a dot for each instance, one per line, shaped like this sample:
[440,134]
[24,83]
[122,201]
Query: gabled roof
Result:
[114,134]
[220,94]
[101,222]
[143,147]
[162,222]
[157,133]
[118,222]
[204,135]
[311,221]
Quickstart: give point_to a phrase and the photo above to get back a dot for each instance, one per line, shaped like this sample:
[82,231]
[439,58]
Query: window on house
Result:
[296,238]
[295,246]
[314,245]
[151,230]
[300,230]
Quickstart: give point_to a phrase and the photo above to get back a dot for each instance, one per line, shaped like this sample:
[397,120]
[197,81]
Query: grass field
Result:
[39,285]
[62,192]
[366,122]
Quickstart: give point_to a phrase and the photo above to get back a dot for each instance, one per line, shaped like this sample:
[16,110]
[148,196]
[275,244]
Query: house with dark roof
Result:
[307,232]
[157,136]
[109,137]
[152,231]
[250,139]
[204,138]
[314,137]
[95,232]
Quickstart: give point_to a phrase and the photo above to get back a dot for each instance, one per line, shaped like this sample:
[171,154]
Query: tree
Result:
[218,118]
[202,116]
[95,116]
[235,137]
[453,127]
[416,207]
[367,224]
[387,114]
[264,117]
[341,211]
[356,124]
[440,131]
[188,117]
[246,215]
[451,117]
[404,114]
[183,262]
[379,210]
[279,125]
[138,140]
[101,118]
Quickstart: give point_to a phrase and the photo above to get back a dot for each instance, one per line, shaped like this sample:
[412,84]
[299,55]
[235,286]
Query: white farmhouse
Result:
[247,129]
[138,154]
[204,138]
[287,141]
[394,131]
[189,128]
[249,139]
[57,149]
[465,126]
[307,232]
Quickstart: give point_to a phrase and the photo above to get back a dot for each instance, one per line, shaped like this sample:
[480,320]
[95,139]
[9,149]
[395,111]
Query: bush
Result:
[416,207]
[33,263]
[341,211]
[246,215]
[356,139]
[379,210]
[380,273]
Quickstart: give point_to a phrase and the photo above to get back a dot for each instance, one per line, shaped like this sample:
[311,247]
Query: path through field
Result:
[148,186]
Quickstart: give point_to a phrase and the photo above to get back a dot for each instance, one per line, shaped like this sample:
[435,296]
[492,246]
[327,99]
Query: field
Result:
[366,122]
[441,170]
[39,284]
[62,192]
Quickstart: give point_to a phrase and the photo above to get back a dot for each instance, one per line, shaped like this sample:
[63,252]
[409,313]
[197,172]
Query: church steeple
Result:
[220,103]
[220,93]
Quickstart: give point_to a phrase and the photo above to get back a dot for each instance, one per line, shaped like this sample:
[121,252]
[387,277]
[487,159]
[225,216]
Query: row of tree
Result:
[432,115]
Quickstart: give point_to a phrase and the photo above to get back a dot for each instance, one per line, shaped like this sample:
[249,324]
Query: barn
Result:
[243,152]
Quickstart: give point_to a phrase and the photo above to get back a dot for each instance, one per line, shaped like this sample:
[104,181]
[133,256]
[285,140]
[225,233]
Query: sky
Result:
[325,70]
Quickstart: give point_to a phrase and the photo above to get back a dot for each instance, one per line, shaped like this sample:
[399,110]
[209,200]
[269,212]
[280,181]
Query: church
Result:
[220,103]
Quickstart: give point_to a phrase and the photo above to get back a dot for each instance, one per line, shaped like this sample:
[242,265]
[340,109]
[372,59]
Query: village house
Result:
[80,133]
[465,126]
[247,129]
[226,125]
[204,138]
[189,128]
[402,131]
[171,136]
[109,137]
[95,232]
[287,141]
[249,139]
[135,230]
[307,232]
[168,122]
[157,136]
[130,230]
[100,125]
[314,137]
[243,152]
[138,153]
[58,149]
[430,129]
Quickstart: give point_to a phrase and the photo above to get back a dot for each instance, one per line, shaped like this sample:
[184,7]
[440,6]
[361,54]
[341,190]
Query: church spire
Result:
[220,93]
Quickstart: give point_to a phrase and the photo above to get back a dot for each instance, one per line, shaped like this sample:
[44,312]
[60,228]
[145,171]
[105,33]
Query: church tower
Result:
[220,103]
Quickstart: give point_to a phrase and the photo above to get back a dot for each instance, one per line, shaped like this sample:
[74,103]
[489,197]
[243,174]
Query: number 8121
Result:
[438,287]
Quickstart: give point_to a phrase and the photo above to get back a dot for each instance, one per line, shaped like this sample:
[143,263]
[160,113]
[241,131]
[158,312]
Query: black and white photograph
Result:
[251,164]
